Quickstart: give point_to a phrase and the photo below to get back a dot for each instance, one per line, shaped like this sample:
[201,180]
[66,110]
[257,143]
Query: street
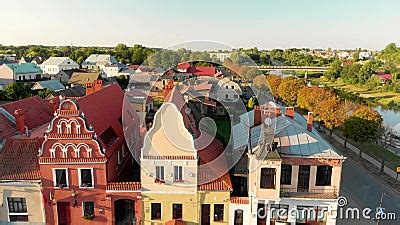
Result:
[364,190]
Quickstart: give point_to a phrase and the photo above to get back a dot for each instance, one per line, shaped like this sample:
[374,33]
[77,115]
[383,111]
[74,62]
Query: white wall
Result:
[246,212]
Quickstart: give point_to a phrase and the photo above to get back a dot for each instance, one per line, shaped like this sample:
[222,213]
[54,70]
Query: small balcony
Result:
[320,193]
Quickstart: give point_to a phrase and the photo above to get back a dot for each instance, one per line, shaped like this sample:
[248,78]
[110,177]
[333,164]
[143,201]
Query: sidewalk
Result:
[369,163]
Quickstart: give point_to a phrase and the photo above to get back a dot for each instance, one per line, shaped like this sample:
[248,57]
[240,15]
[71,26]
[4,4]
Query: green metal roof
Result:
[24,68]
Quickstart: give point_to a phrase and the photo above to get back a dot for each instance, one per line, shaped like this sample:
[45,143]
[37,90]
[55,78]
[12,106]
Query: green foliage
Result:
[335,68]
[44,93]
[360,130]
[17,91]
[289,89]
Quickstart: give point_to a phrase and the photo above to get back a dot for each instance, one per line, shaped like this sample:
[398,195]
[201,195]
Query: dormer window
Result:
[109,137]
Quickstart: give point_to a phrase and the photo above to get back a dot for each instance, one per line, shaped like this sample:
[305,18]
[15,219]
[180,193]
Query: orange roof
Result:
[19,160]
[240,200]
[220,184]
[202,70]
[123,186]
[183,66]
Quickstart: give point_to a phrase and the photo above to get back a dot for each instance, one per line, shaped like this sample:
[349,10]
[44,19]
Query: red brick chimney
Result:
[19,120]
[310,119]
[257,115]
[89,88]
[168,88]
[98,85]
[289,112]
[277,111]
[54,104]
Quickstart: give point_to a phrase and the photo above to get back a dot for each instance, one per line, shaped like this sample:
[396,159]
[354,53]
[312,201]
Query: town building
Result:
[22,124]
[53,85]
[87,171]
[98,61]
[12,72]
[54,65]
[83,77]
[291,167]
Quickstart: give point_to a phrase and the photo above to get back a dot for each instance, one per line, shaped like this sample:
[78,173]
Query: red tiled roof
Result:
[19,160]
[36,111]
[183,66]
[240,200]
[123,186]
[202,70]
[133,67]
[7,128]
[220,184]
[44,160]
[170,157]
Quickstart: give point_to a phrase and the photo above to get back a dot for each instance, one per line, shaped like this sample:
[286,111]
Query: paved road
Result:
[364,190]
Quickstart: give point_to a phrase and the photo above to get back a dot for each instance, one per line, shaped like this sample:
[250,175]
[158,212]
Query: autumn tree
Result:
[328,113]
[274,81]
[310,97]
[289,89]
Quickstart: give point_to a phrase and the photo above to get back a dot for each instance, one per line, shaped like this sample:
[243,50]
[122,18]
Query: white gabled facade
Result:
[53,65]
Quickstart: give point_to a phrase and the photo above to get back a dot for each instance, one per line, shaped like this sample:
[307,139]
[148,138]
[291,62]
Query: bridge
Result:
[292,68]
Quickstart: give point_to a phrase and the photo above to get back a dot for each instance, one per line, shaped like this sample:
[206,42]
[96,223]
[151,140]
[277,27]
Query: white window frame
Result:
[163,173]
[54,177]
[180,169]
[79,178]
[17,214]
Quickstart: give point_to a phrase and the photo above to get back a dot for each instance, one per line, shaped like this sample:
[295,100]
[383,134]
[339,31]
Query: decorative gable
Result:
[69,137]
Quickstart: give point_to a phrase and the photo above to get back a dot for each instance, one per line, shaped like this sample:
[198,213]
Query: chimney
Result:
[98,85]
[277,111]
[54,104]
[168,88]
[89,88]
[257,115]
[19,120]
[310,119]
[289,112]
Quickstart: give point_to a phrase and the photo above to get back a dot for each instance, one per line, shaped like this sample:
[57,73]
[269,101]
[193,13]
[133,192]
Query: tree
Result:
[349,73]
[274,81]
[360,130]
[387,139]
[44,93]
[289,89]
[310,97]
[328,111]
[365,72]
[368,113]
[334,70]
[17,91]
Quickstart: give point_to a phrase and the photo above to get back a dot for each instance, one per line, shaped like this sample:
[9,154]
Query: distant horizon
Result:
[265,24]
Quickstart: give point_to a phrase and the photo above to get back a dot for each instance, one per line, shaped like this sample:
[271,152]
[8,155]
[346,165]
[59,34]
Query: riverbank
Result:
[387,99]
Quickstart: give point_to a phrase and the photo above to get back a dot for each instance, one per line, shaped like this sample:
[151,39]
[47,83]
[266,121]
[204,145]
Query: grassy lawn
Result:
[376,151]
[382,97]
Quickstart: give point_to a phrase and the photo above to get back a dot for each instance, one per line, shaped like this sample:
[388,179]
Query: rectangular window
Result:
[176,211]
[178,174]
[61,179]
[286,174]
[279,212]
[109,137]
[160,173]
[17,210]
[155,211]
[86,177]
[218,212]
[88,209]
[324,175]
[226,96]
[267,180]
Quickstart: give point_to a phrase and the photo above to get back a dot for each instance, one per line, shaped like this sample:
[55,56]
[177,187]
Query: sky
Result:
[265,24]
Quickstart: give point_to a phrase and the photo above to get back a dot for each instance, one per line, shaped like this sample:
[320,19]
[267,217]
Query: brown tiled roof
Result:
[44,160]
[19,160]
[170,157]
[240,200]
[123,186]
[220,184]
